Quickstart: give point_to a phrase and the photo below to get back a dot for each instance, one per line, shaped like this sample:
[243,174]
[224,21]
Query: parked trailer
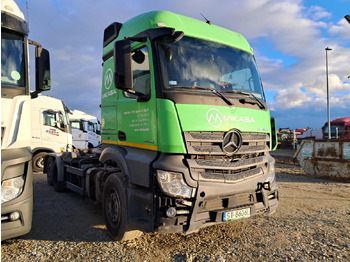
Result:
[325,158]
[186,132]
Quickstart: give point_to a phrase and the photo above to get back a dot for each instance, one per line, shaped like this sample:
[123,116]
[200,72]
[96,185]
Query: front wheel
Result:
[115,210]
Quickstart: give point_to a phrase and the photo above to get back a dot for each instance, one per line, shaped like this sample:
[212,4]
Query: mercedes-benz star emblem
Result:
[232,142]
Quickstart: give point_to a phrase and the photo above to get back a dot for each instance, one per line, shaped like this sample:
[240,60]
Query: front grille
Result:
[208,162]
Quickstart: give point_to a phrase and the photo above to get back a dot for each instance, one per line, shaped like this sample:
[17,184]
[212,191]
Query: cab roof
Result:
[190,26]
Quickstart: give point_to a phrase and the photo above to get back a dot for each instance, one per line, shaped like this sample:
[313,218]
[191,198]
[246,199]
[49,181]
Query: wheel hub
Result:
[113,206]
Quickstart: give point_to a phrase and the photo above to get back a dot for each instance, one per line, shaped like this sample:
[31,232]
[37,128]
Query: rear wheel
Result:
[50,170]
[38,162]
[58,186]
[115,210]
[52,176]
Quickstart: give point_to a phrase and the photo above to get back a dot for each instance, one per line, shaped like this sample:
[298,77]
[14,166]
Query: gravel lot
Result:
[311,224]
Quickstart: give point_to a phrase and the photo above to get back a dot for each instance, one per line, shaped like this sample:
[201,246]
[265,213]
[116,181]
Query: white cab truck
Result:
[16,100]
[51,131]
[86,130]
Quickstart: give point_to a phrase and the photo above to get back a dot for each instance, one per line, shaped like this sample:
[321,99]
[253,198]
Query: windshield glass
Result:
[193,62]
[12,60]
[90,126]
[334,129]
[75,124]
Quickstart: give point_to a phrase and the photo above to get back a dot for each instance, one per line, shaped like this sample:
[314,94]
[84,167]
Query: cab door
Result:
[53,131]
[136,115]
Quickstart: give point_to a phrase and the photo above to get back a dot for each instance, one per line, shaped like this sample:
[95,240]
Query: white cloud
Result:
[317,13]
[341,29]
[290,98]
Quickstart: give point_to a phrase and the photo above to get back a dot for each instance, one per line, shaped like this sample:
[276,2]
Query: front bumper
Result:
[209,207]
[213,199]
[17,162]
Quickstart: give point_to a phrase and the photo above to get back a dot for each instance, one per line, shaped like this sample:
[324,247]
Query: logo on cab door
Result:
[53,131]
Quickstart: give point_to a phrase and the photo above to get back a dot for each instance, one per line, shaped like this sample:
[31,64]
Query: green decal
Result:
[221,118]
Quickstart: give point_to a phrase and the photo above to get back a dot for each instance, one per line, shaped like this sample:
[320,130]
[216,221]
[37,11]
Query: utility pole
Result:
[328,110]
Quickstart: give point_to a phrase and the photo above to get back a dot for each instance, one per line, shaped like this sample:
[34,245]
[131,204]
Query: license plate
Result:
[236,214]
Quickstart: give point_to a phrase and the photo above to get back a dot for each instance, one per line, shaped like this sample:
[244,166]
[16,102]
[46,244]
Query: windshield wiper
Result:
[251,95]
[216,92]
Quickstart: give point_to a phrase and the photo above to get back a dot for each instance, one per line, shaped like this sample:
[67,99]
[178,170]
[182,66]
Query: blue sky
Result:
[289,38]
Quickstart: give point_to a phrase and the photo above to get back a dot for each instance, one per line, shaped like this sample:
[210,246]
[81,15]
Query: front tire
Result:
[115,210]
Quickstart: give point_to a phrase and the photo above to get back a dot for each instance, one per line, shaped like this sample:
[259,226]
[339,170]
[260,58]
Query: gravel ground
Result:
[311,224]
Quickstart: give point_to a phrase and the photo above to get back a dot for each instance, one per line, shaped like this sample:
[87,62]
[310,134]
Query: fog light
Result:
[267,186]
[14,216]
[171,212]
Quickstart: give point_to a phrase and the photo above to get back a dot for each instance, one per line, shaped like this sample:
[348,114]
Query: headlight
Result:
[173,184]
[271,171]
[11,188]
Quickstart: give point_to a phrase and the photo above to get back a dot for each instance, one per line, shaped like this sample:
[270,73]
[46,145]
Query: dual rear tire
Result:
[52,176]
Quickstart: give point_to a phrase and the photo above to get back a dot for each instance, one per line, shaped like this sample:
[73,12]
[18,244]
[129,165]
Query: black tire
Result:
[38,162]
[59,186]
[115,210]
[52,176]
[50,169]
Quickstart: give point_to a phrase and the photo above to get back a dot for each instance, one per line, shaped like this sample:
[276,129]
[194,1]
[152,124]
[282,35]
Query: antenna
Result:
[206,20]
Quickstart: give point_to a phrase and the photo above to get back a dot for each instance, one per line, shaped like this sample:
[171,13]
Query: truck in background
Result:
[51,131]
[16,156]
[186,132]
[311,133]
[287,138]
[340,128]
[86,130]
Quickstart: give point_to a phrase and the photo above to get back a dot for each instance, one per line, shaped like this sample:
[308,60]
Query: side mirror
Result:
[42,69]
[122,65]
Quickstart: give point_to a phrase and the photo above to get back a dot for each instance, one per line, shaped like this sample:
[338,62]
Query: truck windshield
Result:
[12,60]
[335,128]
[91,127]
[192,62]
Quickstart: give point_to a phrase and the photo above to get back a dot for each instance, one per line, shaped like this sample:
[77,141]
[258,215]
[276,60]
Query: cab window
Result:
[50,119]
[140,72]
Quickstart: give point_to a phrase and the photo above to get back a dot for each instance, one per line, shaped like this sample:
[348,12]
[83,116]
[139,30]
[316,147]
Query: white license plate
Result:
[236,214]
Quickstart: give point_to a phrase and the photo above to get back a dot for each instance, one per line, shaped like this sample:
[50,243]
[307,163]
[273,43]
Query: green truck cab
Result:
[186,132]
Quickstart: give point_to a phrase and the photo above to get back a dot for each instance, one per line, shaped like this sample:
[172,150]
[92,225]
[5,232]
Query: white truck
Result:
[16,155]
[86,130]
[51,131]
